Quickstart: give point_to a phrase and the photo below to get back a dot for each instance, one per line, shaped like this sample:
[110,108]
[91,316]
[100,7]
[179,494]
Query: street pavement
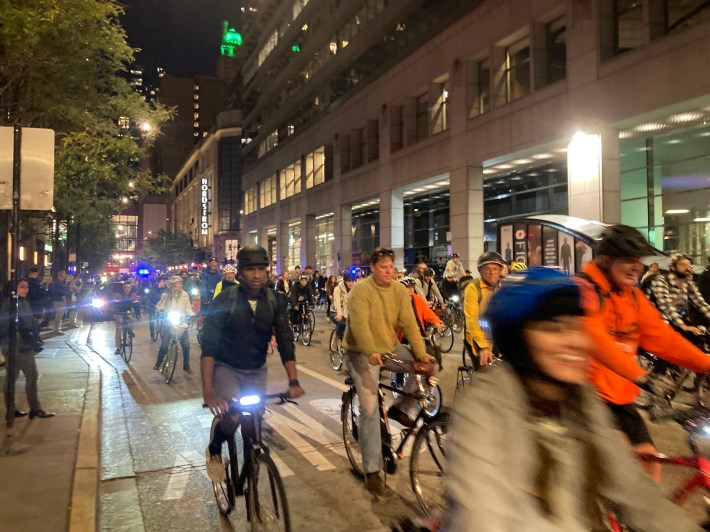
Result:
[134,460]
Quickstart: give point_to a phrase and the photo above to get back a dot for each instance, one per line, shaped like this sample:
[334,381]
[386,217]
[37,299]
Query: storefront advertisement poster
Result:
[566,256]
[549,244]
[506,242]
[534,245]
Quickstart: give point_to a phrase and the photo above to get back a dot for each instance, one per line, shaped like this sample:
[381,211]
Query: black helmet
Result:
[623,241]
[490,257]
[252,256]
[428,272]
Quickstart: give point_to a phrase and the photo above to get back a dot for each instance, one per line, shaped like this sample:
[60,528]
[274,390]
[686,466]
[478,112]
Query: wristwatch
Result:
[293,382]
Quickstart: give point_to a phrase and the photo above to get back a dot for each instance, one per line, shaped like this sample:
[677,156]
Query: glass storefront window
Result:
[126,231]
[426,222]
[365,234]
[665,189]
[325,236]
[294,247]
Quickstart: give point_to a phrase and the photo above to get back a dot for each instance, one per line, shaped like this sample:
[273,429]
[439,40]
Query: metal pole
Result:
[15,261]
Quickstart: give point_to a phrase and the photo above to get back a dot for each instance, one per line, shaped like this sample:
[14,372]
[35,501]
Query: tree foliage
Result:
[168,249]
[63,66]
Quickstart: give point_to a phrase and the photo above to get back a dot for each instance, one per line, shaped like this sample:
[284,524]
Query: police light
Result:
[353,272]
[143,271]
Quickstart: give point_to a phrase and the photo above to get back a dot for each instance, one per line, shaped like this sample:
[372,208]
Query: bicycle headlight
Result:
[249,400]
[455,299]
[174,317]
[146,290]
[97,302]
[195,292]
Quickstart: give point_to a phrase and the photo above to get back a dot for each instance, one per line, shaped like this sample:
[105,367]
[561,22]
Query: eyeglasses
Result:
[385,253]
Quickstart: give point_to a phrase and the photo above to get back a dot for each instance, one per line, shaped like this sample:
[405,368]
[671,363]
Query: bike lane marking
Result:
[339,385]
[282,425]
[313,429]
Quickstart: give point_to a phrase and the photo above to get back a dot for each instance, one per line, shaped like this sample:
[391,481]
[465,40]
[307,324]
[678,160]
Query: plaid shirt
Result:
[672,296]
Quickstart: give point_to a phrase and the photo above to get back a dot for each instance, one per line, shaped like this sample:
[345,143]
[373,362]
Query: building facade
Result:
[420,125]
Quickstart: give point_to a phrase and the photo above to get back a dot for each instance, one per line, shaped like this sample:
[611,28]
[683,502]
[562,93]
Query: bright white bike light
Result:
[195,292]
[146,290]
[174,317]
[455,299]
[97,302]
[249,400]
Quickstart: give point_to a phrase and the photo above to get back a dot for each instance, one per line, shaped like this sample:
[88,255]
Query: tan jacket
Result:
[503,462]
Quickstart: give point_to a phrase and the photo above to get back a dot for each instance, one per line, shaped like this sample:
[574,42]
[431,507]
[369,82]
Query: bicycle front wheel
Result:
[169,362]
[266,497]
[308,326]
[128,345]
[350,418]
[223,491]
[427,466]
[445,339]
[335,349]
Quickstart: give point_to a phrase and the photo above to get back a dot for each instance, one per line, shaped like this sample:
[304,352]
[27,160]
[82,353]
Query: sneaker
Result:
[118,352]
[188,370]
[374,484]
[156,367]
[400,417]
[215,467]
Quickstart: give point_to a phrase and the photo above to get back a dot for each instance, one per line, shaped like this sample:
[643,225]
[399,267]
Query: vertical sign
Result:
[506,242]
[204,205]
[534,245]
[549,246]
[566,243]
[520,243]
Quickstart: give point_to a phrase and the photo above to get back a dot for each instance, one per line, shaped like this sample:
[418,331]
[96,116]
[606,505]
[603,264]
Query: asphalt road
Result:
[154,437]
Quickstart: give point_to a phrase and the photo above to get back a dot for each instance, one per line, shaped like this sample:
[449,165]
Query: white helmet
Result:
[229,269]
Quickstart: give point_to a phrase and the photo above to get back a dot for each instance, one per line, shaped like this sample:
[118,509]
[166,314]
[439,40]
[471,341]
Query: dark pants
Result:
[340,328]
[165,345]
[26,363]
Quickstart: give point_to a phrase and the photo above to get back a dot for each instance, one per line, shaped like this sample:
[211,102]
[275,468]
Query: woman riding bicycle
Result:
[378,308]
[532,448]
[175,299]
[341,293]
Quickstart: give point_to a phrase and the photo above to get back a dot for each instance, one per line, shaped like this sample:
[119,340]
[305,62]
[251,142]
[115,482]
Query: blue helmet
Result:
[536,294]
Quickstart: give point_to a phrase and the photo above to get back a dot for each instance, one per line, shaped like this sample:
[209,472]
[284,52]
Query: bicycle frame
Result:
[700,479]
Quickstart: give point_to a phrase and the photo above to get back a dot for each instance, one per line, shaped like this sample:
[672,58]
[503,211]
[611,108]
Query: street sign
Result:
[37,173]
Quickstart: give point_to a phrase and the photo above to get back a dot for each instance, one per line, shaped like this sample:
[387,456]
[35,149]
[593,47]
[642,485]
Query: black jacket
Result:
[235,335]
[300,294]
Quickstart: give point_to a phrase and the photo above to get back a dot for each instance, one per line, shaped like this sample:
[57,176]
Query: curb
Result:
[84,496]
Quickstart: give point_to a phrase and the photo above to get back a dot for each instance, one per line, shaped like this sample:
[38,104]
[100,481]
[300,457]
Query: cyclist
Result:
[565,457]
[476,296]
[449,286]
[404,407]
[154,295]
[234,346]
[208,282]
[455,267]
[229,274]
[675,292]
[427,289]
[620,320]
[378,308]
[300,298]
[175,299]
[340,304]
[124,301]
[284,284]
[330,285]
[517,266]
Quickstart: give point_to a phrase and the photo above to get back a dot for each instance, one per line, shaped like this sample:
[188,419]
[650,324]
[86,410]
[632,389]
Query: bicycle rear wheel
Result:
[128,345]
[445,339]
[427,466]
[224,492]
[350,418]
[169,362]
[266,497]
[308,326]
[336,355]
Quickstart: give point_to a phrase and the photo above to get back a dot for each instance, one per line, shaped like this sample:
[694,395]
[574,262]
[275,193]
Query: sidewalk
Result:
[52,486]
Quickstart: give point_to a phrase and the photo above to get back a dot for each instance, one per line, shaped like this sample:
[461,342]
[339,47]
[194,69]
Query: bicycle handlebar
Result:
[282,397]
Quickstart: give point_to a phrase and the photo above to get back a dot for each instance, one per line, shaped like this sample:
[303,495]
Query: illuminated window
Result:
[124,122]
[517,70]
[267,192]
[195,124]
[250,200]
[478,87]
[196,97]
[315,167]
[196,87]
[290,180]
[195,116]
[196,106]
[440,109]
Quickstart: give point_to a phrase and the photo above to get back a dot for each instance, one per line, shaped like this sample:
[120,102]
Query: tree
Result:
[168,249]
[63,66]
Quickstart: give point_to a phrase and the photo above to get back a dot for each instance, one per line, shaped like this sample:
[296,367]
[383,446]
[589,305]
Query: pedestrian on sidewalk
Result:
[60,297]
[28,345]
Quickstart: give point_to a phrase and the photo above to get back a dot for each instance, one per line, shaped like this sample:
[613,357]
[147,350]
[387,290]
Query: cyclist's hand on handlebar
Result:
[217,405]
[295,391]
[424,365]
[692,329]
[486,356]
[375,359]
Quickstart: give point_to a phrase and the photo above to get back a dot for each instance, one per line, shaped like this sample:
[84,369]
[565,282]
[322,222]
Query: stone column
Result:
[308,240]
[466,213]
[392,223]
[343,234]
[282,247]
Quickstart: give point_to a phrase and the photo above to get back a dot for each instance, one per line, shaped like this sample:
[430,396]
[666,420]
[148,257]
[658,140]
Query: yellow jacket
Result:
[473,310]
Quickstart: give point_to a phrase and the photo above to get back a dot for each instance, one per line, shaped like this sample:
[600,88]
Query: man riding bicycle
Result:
[427,289]
[621,319]
[154,294]
[236,333]
[675,293]
[123,303]
[378,308]
[300,298]
[229,274]
[175,299]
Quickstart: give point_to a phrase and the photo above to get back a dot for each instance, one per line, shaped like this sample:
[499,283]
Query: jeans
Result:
[229,383]
[165,345]
[367,379]
[340,328]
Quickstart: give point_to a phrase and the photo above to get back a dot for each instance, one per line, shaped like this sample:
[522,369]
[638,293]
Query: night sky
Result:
[182,36]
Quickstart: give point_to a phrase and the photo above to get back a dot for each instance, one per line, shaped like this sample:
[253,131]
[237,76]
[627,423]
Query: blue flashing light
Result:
[143,271]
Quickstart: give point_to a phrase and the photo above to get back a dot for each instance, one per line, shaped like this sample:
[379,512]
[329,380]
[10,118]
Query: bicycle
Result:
[265,495]
[695,422]
[127,335]
[175,325]
[453,314]
[336,349]
[305,326]
[427,460]
[444,338]
[154,323]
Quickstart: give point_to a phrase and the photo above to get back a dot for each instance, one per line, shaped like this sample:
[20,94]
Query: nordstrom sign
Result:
[204,205]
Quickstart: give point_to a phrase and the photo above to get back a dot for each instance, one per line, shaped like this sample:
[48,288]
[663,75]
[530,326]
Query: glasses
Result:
[385,253]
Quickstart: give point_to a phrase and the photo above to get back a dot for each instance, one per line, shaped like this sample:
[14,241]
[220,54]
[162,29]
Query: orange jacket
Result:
[423,313]
[625,320]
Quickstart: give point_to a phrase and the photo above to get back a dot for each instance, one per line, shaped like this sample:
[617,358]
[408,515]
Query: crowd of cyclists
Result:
[537,435]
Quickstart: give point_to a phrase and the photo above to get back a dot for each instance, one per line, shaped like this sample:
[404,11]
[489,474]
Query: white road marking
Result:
[177,483]
[329,407]
[336,384]
[282,425]
[314,430]
[283,468]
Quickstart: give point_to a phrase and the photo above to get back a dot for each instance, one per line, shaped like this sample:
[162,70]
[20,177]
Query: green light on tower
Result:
[231,39]
[295,48]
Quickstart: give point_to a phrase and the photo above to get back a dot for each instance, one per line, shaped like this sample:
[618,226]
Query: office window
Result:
[681,14]
[290,180]
[422,117]
[373,140]
[357,148]
[478,87]
[440,109]
[267,192]
[556,50]
[517,70]
[628,17]
[250,200]
[315,167]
